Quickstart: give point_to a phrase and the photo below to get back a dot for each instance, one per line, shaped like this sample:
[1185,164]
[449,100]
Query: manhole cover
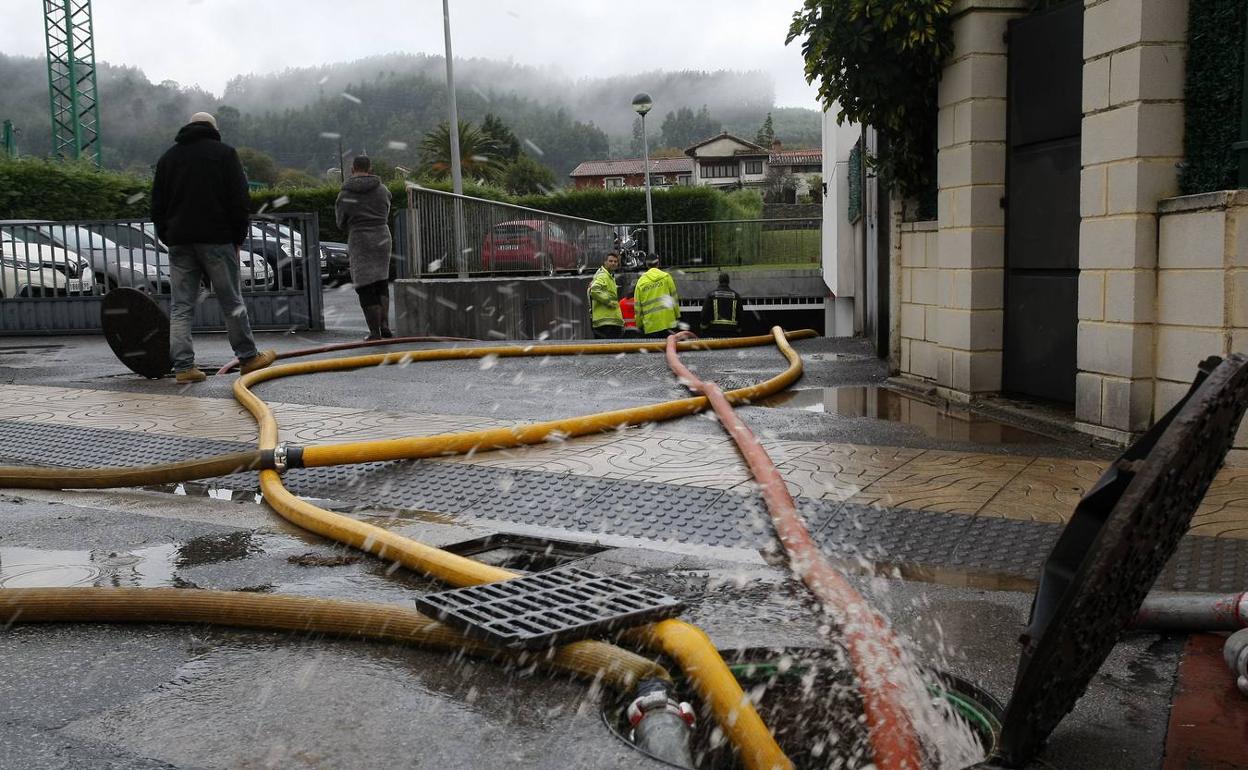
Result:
[1119,539]
[137,330]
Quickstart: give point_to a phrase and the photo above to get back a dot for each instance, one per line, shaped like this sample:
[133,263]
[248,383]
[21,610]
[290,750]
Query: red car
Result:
[529,244]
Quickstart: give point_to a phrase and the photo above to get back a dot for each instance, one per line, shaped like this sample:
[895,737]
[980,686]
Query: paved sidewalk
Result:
[1022,487]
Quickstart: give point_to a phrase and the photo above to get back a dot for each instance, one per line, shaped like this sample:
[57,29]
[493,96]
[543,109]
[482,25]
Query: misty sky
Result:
[206,42]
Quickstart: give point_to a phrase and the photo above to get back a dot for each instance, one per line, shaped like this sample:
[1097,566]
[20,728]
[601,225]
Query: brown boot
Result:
[257,362]
[188,376]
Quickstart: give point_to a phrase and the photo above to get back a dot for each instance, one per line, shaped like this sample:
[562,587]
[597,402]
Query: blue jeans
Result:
[190,264]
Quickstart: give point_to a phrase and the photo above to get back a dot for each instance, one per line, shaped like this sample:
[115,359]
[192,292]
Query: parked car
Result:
[112,264]
[20,277]
[284,254]
[35,249]
[529,244]
[254,271]
[335,266]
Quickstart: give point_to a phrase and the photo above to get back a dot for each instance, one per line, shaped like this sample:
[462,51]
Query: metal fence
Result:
[448,234]
[443,234]
[53,275]
[735,242]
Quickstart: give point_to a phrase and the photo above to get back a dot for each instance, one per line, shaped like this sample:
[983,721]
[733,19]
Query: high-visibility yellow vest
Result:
[604,304]
[658,307]
[724,305]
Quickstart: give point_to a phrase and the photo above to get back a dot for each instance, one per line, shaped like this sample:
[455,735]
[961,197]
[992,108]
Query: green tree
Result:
[635,146]
[525,176]
[766,133]
[881,60]
[259,166]
[294,178]
[479,154]
[684,127]
[508,144]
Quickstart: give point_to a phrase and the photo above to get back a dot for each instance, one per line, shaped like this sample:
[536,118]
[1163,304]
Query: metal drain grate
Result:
[548,608]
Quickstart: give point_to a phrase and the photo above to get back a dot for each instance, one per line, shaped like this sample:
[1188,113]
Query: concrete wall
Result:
[841,242]
[1202,290]
[494,308]
[517,308]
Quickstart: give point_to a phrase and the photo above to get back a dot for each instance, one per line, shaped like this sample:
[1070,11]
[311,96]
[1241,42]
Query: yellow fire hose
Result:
[357,620]
[685,644]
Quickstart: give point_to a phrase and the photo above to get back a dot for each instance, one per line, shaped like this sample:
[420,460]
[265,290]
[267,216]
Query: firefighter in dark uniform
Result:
[721,311]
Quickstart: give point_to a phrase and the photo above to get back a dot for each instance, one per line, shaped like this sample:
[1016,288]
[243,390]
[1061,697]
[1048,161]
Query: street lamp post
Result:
[641,105]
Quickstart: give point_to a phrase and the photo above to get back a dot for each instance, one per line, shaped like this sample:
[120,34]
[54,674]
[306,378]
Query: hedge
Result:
[1213,94]
[678,204]
[32,188]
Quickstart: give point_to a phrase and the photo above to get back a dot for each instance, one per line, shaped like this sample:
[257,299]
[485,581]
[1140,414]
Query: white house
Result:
[728,161]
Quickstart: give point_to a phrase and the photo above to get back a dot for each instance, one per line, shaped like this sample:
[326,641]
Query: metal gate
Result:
[1042,203]
[53,275]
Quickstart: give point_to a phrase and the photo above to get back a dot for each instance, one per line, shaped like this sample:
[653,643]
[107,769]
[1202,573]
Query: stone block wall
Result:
[952,286]
[1132,143]
[918,307]
[1202,290]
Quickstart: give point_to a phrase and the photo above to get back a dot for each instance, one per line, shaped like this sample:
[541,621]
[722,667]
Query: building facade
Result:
[1063,265]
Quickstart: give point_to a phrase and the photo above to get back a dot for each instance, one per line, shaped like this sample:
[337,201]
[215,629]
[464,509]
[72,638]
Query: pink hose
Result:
[872,649]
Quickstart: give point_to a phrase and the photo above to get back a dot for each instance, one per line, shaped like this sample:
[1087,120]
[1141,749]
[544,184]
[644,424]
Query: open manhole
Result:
[809,698]
[523,553]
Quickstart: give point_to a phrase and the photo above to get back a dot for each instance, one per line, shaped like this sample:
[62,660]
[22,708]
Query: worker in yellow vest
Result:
[604,300]
[658,306]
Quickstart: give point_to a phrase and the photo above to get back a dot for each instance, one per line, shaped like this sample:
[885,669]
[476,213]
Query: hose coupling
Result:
[662,726]
[643,705]
[286,456]
[1235,653]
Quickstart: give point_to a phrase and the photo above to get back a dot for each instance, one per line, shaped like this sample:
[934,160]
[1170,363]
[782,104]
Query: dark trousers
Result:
[661,335]
[608,332]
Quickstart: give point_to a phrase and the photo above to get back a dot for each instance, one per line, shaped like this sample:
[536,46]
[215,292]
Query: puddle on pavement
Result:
[938,422]
[140,567]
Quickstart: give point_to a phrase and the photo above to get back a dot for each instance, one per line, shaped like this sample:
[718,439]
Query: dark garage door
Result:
[1042,203]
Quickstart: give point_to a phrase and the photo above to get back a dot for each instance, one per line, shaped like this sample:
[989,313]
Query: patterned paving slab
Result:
[956,548]
[1021,487]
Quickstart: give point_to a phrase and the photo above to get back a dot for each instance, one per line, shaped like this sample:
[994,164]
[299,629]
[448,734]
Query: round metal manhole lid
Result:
[137,330]
[1111,552]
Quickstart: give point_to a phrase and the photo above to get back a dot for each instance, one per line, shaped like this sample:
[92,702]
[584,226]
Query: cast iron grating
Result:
[548,608]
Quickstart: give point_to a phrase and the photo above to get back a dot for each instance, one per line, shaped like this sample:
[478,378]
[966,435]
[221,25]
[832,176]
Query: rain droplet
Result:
[330,135]
[434,265]
[394,145]
[133,199]
[489,361]
[351,98]
[529,143]
[281,201]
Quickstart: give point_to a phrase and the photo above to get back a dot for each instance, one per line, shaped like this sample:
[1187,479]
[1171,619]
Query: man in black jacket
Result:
[200,208]
[721,311]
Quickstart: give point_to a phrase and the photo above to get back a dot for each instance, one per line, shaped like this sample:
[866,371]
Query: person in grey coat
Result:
[363,210]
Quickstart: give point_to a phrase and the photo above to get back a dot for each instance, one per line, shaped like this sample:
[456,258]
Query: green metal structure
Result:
[71,79]
[8,140]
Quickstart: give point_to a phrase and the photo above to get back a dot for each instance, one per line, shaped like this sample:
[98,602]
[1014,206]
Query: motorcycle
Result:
[632,256]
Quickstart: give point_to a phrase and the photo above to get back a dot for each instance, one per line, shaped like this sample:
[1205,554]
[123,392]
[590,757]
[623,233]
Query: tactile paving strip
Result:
[982,546]
[548,608]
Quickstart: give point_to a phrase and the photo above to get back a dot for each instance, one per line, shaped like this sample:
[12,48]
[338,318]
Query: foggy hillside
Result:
[602,101]
[393,100]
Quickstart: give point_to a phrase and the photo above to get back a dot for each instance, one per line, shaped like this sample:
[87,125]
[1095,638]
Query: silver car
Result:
[22,278]
[31,248]
[113,264]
